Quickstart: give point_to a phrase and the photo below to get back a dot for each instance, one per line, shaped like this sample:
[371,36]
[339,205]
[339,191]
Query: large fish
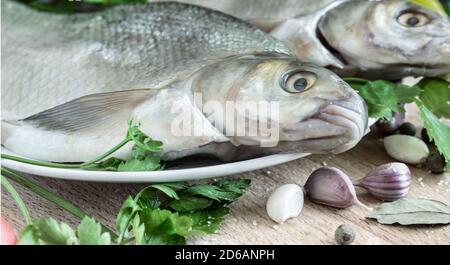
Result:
[386,39]
[70,83]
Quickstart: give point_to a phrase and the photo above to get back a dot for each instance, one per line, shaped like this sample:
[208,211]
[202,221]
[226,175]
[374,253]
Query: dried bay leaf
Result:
[412,212]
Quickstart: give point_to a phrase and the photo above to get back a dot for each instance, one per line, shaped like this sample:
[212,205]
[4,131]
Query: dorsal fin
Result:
[92,110]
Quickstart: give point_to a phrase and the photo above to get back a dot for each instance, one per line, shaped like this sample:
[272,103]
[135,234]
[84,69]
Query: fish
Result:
[387,39]
[70,83]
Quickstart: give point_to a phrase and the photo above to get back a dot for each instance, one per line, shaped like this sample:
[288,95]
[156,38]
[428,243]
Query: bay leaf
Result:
[412,212]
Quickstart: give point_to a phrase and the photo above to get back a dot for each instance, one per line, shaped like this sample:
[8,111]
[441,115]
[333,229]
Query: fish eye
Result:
[413,19]
[297,82]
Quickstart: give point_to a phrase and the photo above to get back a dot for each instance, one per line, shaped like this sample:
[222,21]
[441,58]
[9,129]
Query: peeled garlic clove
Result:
[330,186]
[388,182]
[407,149]
[285,202]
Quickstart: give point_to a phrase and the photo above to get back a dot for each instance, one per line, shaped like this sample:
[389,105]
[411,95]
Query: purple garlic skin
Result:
[388,182]
[330,186]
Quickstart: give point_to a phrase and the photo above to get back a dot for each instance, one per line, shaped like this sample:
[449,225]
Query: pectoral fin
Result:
[91,111]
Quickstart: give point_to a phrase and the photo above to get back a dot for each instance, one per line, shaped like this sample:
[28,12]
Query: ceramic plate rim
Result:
[171,175]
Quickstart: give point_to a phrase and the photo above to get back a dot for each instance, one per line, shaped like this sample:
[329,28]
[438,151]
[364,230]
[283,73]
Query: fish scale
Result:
[49,59]
[258,9]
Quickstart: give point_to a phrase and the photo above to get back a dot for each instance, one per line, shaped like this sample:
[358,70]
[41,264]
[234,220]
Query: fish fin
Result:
[266,25]
[91,111]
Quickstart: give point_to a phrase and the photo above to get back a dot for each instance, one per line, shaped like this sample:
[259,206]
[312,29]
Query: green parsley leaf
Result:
[29,236]
[141,140]
[138,230]
[89,232]
[189,203]
[438,132]
[209,191]
[237,186]
[110,164]
[435,96]
[126,213]
[150,163]
[208,221]
[50,232]
[164,227]
[384,97]
[168,213]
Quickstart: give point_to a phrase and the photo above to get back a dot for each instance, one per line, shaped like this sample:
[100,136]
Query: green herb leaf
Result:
[164,227]
[141,140]
[89,232]
[412,212]
[208,221]
[29,236]
[435,95]
[237,186]
[110,164]
[384,97]
[438,132]
[168,213]
[150,163]
[210,191]
[126,214]
[189,203]
[50,232]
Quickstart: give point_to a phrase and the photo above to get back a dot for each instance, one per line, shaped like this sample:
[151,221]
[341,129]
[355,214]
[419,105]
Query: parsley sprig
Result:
[159,214]
[431,95]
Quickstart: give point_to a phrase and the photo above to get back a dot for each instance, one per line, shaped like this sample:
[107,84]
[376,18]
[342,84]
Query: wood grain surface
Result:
[248,222]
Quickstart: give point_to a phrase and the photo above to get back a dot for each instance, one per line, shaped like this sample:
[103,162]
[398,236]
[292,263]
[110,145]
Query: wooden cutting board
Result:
[248,222]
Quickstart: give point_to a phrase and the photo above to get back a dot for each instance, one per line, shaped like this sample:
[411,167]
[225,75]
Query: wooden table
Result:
[248,222]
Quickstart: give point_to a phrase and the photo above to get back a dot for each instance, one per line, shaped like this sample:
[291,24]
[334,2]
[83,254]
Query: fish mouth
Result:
[336,128]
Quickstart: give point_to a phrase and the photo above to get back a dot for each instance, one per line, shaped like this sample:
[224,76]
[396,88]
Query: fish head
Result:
[308,108]
[388,39]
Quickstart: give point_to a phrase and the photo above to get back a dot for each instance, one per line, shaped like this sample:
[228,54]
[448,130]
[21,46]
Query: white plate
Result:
[187,170]
[200,172]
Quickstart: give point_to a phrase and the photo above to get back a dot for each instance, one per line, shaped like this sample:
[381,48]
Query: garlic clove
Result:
[407,149]
[388,182]
[285,202]
[330,186]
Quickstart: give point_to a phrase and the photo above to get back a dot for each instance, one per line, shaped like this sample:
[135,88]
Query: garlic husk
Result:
[388,182]
[332,187]
[285,202]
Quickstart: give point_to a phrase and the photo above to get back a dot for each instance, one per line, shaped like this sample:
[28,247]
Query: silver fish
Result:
[387,39]
[70,83]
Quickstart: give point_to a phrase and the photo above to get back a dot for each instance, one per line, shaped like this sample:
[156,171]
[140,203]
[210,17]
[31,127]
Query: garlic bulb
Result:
[285,202]
[330,186]
[387,182]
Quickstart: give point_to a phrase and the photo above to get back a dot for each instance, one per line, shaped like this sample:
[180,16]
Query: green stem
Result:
[15,195]
[38,163]
[105,155]
[71,208]
[61,165]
